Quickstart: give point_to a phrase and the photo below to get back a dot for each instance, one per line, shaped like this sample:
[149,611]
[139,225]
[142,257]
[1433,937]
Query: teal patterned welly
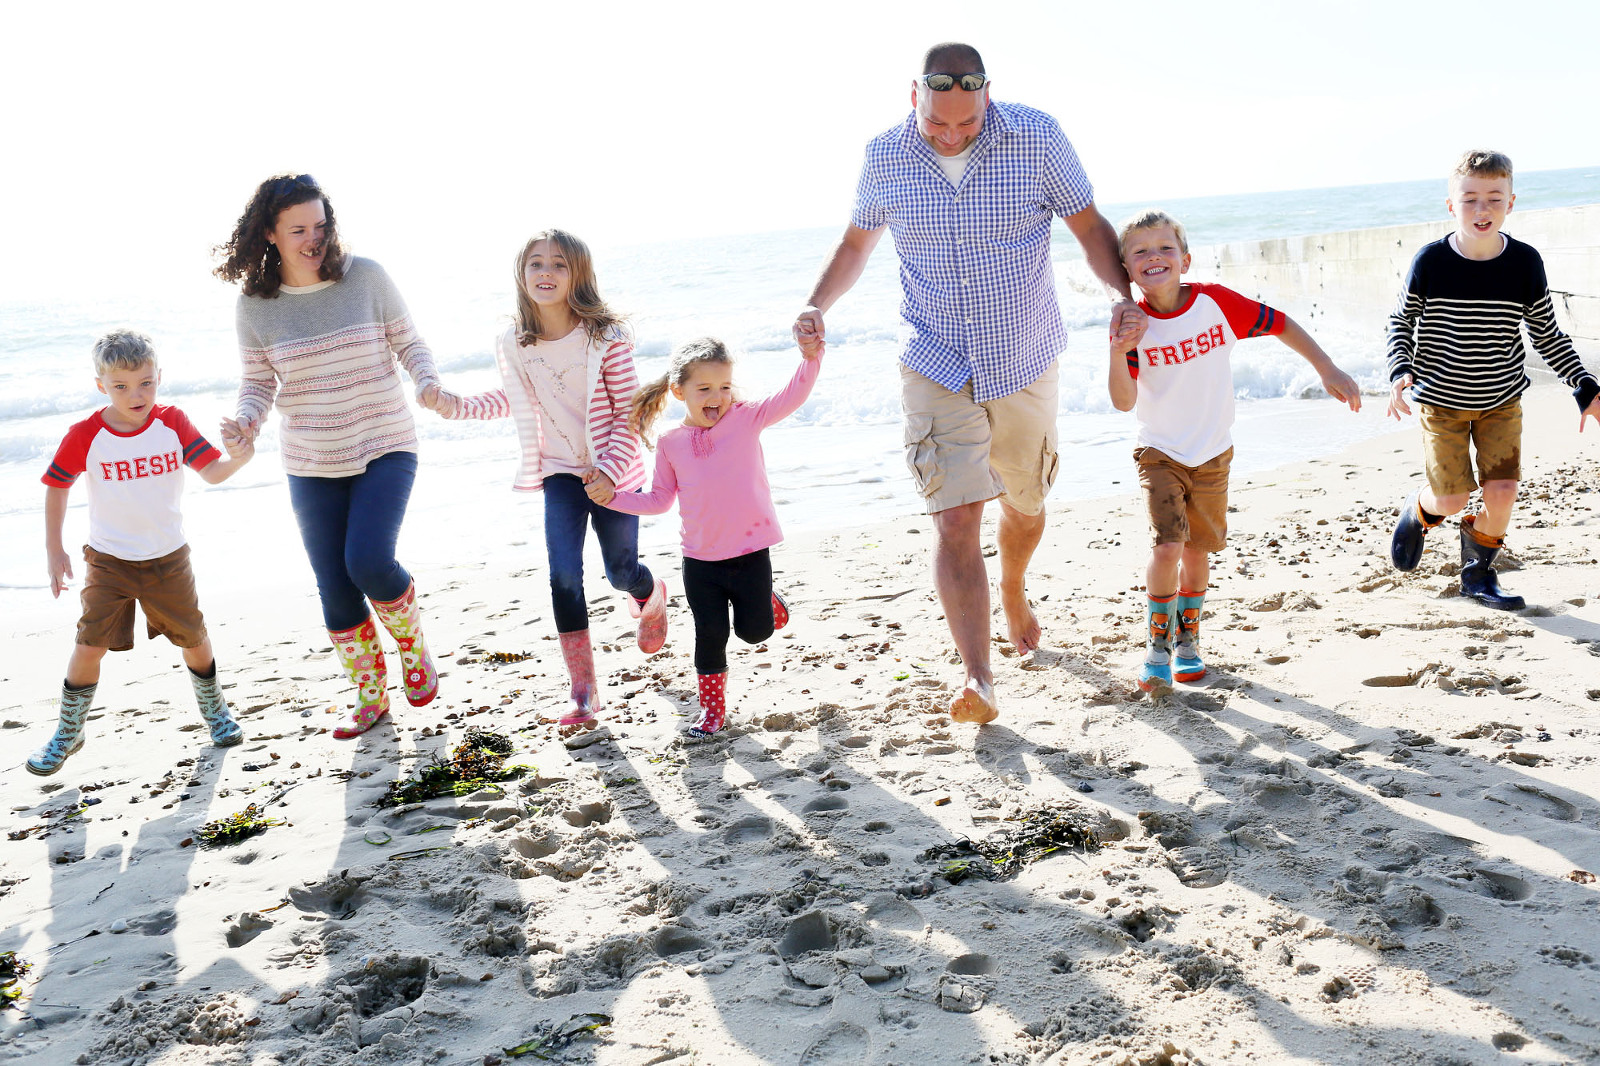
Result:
[69,731]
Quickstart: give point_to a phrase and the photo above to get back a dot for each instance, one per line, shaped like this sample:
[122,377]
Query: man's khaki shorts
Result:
[163,587]
[1496,435]
[1187,504]
[963,452]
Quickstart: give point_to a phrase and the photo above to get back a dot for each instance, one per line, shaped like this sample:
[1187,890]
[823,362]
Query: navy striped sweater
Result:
[1456,329]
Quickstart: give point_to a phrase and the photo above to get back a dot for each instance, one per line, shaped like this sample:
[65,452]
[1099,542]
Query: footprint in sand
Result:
[975,964]
[844,1044]
[1535,800]
[809,932]
[249,926]
[159,923]
[1391,680]
[748,830]
[892,912]
[878,827]
[825,805]
[337,897]
[875,858]
[588,814]
[1500,886]
[674,941]
[1198,866]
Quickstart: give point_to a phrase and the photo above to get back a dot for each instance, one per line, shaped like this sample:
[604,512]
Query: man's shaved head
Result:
[952,57]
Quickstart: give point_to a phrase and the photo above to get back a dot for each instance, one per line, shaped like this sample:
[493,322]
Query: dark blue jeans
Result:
[567,511]
[349,526]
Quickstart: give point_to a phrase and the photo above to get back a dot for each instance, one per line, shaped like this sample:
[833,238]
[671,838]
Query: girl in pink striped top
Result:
[566,364]
[714,466]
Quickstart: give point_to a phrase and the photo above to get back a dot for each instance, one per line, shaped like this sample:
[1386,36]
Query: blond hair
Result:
[123,349]
[651,399]
[1151,218]
[1482,163]
[583,296]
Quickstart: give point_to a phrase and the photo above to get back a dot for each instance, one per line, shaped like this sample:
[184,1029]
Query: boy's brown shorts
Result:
[1188,504]
[163,588]
[1496,435]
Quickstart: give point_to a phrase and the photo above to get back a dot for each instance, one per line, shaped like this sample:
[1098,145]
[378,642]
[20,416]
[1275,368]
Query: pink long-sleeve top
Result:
[718,475]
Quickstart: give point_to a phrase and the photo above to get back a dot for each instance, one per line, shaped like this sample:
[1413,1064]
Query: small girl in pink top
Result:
[713,464]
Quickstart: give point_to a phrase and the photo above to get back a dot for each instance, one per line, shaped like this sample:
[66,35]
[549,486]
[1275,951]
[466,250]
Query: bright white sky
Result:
[133,133]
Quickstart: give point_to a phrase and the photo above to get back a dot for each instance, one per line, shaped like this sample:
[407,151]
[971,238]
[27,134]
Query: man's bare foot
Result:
[976,704]
[1021,625]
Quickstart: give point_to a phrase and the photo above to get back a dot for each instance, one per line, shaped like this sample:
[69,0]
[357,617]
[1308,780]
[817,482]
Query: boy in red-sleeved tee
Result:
[1179,383]
[133,452]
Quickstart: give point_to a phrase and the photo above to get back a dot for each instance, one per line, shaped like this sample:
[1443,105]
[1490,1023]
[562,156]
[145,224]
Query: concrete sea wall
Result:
[1354,277]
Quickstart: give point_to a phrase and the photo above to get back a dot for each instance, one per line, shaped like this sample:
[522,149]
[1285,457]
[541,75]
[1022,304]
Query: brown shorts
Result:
[1187,504]
[963,452]
[1496,436]
[163,588]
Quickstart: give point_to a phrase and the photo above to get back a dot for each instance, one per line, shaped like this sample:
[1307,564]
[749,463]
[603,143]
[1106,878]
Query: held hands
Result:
[1397,398]
[1592,411]
[599,486]
[1128,323]
[241,431]
[238,447]
[60,569]
[1342,387]
[809,333]
[432,398]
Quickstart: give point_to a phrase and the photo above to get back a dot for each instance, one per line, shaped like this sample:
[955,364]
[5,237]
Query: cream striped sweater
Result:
[328,360]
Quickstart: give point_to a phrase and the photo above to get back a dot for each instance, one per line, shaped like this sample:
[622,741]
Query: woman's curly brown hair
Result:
[253,261]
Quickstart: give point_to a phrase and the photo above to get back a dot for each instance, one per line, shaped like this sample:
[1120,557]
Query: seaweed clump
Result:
[12,971]
[236,827]
[477,761]
[549,1037]
[494,657]
[1002,855]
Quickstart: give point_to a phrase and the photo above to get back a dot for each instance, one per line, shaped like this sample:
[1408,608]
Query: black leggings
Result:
[743,583]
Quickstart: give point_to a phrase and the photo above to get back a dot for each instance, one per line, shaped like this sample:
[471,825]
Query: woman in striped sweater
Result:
[320,333]
[566,364]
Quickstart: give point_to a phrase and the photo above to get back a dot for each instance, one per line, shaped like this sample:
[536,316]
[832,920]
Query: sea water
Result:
[837,462]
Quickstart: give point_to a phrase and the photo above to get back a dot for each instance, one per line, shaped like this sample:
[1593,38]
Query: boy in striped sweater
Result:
[1455,342]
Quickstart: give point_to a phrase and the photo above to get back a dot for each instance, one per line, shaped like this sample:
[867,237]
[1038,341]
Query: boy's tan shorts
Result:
[963,452]
[1496,435]
[163,587]
[1187,504]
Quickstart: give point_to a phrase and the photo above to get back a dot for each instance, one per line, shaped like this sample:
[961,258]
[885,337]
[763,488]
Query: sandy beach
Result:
[1366,836]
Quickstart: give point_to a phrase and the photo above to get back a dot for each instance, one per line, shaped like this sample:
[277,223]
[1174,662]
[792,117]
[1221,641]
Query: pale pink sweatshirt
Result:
[719,476]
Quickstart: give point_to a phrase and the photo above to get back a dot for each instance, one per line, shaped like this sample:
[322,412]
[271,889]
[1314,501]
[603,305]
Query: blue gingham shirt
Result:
[979,298]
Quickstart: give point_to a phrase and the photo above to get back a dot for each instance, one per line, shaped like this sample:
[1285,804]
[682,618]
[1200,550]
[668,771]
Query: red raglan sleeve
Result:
[197,451]
[1246,317]
[71,456]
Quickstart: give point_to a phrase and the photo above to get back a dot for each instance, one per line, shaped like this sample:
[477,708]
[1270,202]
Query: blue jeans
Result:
[349,526]
[567,509]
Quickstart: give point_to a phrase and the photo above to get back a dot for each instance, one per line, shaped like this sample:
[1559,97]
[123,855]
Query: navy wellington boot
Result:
[1478,579]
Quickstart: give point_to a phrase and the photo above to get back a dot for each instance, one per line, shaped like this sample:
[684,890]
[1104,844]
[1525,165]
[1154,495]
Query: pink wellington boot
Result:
[404,623]
[652,616]
[579,656]
[713,705]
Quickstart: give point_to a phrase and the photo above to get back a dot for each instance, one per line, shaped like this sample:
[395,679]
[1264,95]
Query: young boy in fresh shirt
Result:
[1455,342]
[133,452]
[1179,383]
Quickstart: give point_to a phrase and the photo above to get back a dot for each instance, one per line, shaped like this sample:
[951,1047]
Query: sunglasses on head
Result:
[943,83]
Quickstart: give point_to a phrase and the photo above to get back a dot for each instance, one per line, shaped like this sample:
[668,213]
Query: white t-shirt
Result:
[954,166]
[1185,405]
[135,480]
[558,376]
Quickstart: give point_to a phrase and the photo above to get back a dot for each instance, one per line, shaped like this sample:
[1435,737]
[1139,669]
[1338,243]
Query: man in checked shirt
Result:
[968,188]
